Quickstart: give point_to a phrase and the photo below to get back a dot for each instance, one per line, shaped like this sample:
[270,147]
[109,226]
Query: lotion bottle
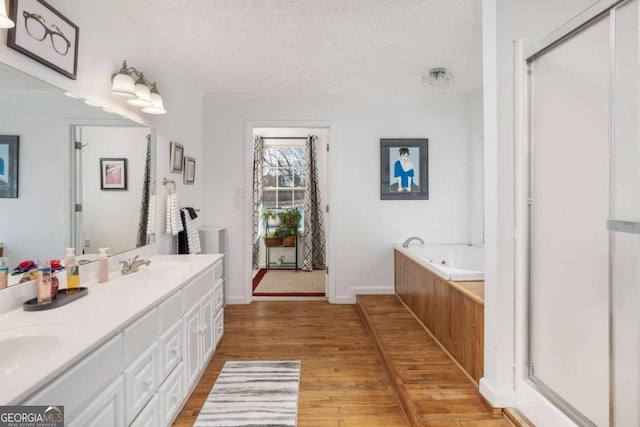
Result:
[73,271]
[4,272]
[103,266]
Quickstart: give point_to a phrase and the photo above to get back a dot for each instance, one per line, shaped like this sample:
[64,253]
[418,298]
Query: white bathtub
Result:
[457,263]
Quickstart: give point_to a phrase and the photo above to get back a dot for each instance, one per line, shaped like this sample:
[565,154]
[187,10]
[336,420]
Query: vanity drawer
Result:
[140,335]
[170,311]
[76,387]
[171,395]
[218,296]
[105,409]
[150,415]
[196,289]
[170,346]
[218,327]
[140,382]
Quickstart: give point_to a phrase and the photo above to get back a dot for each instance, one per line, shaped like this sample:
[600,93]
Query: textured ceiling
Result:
[314,46]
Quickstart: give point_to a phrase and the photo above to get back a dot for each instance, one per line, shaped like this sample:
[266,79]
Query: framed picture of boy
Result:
[404,169]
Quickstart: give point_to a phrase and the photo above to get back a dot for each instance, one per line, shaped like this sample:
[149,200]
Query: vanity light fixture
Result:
[139,93]
[5,22]
[438,78]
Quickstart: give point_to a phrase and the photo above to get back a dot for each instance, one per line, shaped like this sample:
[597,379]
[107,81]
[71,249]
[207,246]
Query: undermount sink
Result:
[160,270]
[26,345]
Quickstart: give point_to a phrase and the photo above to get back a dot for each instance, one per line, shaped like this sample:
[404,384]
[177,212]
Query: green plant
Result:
[282,232]
[269,213]
[291,218]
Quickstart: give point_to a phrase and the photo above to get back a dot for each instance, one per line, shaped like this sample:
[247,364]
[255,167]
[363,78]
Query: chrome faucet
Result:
[410,239]
[132,265]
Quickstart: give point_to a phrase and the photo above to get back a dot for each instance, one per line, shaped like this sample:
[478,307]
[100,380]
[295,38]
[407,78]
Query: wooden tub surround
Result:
[453,312]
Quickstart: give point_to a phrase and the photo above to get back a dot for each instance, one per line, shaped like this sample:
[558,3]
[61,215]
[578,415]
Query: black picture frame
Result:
[9,164]
[113,173]
[189,176]
[410,181]
[45,35]
[176,156]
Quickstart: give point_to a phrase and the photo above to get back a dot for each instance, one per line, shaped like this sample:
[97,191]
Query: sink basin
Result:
[160,270]
[23,346]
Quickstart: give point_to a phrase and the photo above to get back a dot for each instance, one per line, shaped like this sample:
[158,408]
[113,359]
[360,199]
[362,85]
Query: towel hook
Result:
[166,181]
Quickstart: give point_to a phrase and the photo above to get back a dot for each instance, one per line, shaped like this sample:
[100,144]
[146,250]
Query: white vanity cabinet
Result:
[143,375]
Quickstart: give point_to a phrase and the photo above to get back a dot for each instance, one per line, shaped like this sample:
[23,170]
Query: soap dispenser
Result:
[103,266]
[73,271]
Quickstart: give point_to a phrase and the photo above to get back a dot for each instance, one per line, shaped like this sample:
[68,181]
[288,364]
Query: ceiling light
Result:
[140,93]
[5,22]
[438,79]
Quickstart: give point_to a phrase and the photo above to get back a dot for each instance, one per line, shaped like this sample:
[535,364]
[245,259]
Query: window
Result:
[284,177]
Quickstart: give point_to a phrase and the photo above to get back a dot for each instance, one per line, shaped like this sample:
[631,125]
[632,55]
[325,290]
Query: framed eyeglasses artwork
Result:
[44,34]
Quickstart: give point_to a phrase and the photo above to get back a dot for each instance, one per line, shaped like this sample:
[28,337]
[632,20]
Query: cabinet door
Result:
[207,330]
[141,382]
[150,415]
[171,396]
[104,410]
[192,345]
[170,346]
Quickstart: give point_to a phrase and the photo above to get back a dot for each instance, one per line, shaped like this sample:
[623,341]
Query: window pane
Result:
[299,177]
[269,198]
[285,198]
[298,198]
[269,175]
[285,179]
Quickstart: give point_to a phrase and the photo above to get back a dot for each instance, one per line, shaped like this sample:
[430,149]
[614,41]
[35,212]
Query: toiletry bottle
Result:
[73,271]
[4,272]
[44,281]
[55,283]
[103,265]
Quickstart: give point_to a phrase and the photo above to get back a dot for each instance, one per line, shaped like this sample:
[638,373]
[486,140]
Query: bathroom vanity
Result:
[129,353]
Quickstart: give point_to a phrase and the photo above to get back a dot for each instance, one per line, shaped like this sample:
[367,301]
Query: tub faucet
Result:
[132,265]
[410,239]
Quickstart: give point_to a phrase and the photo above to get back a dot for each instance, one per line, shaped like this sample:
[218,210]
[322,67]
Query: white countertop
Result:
[83,325]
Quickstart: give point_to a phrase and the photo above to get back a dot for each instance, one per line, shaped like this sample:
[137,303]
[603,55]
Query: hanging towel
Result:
[151,216]
[191,226]
[174,224]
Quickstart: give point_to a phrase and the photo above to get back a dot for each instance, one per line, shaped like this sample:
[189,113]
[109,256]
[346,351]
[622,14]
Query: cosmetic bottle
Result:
[44,281]
[4,272]
[55,283]
[73,271]
[103,266]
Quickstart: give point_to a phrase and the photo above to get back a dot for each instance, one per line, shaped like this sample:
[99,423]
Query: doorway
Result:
[281,258]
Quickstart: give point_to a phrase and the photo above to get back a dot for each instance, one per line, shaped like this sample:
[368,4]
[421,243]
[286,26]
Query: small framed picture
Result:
[176,156]
[44,34]
[113,174]
[189,170]
[9,166]
[404,169]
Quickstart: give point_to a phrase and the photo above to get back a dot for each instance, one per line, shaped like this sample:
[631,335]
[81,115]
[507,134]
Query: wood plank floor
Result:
[343,380]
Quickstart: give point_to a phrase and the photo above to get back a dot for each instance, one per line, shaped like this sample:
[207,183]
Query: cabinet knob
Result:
[147,383]
[175,396]
[175,349]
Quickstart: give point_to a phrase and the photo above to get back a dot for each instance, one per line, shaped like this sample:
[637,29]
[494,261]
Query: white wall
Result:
[362,227]
[106,38]
[503,22]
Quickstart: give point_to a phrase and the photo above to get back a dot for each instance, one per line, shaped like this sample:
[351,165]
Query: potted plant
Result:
[291,218]
[271,217]
[290,238]
[273,239]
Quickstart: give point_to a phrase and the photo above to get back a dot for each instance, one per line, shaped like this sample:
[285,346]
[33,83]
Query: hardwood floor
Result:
[343,380]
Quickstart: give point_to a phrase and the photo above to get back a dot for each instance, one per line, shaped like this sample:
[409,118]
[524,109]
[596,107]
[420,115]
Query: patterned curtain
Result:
[144,205]
[313,253]
[258,148]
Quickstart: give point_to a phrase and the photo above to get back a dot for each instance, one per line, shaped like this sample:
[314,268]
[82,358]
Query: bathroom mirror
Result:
[39,222]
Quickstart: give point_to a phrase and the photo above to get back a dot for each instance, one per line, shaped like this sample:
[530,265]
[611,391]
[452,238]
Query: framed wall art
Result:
[9,166]
[404,169]
[176,156]
[44,34]
[113,174]
[189,170]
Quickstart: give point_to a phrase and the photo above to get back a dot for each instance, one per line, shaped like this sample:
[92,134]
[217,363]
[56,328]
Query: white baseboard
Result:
[497,399]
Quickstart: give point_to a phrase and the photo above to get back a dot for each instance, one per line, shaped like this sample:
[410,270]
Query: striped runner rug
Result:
[253,393]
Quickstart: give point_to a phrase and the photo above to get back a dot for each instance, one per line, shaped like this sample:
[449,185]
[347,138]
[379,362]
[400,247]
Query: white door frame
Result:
[248,192]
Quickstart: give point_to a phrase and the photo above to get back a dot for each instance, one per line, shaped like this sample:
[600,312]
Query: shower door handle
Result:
[632,227]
